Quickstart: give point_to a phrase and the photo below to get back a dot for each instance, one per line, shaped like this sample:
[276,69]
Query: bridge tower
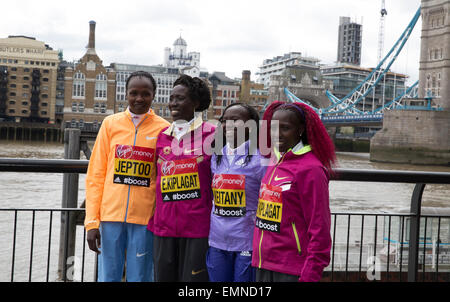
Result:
[423,136]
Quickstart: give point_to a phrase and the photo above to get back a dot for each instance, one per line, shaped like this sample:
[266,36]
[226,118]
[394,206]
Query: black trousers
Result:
[180,259]
[263,275]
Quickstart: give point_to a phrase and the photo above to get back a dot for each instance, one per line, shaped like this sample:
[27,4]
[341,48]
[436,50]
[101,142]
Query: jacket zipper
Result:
[297,240]
[262,231]
[134,144]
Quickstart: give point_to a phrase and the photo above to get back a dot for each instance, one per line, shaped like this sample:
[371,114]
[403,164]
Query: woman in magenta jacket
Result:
[292,239]
[183,186]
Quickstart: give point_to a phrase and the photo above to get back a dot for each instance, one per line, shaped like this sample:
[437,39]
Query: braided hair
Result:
[253,115]
[141,74]
[197,90]
[315,134]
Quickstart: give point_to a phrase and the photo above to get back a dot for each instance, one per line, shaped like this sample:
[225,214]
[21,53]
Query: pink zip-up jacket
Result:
[183,183]
[292,230]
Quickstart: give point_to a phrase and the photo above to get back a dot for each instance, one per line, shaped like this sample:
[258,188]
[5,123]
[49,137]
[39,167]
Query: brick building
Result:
[89,92]
[252,93]
[225,91]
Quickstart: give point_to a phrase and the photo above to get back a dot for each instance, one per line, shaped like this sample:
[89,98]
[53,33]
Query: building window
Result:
[73,123]
[103,108]
[81,107]
[78,85]
[74,107]
[100,86]
[96,108]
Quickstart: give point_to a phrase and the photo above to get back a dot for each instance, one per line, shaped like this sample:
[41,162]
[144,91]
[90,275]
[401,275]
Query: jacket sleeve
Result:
[314,196]
[95,178]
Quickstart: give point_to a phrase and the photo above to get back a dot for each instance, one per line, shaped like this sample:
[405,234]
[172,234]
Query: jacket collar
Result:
[144,116]
[197,122]
[130,114]
[299,149]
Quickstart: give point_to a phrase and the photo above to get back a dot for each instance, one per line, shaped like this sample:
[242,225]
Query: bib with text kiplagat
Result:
[179,180]
[133,165]
[268,214]
[229,195]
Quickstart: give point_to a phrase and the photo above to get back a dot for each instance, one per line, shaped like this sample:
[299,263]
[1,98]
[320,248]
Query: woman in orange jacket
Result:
[120,185]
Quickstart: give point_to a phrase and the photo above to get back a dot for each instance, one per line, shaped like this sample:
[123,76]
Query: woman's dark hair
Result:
[142,74]
[253,115]
[197,90]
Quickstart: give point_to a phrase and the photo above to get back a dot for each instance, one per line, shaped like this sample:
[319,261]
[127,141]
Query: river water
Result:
[44,190]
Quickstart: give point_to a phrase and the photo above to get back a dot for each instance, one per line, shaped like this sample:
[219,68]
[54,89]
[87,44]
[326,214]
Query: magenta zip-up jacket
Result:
[183,183]
[292,229]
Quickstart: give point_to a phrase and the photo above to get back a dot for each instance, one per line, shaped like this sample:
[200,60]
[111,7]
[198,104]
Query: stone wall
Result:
[416,137]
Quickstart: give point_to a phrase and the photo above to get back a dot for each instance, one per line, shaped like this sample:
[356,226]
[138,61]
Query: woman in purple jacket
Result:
[237,172]
[183,186]
[292,232]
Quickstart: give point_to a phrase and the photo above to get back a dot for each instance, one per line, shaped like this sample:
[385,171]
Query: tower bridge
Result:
[416,123]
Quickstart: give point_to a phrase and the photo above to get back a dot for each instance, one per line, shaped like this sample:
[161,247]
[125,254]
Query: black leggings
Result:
[180,259]
[263,275]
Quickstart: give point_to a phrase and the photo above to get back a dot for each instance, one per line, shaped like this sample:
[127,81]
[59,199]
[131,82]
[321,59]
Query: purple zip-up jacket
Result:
[183,183]
[292,231]
[229,232]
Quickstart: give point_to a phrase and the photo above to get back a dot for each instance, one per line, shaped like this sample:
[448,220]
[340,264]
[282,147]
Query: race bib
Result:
[229,195]
[179,180]
[133,165]
[268,214]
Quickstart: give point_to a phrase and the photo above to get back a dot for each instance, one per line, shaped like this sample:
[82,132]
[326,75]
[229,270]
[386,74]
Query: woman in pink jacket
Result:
[292,239]
[183,186]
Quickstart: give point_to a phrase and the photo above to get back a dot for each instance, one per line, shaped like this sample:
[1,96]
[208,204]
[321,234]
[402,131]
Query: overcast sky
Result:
[231,35]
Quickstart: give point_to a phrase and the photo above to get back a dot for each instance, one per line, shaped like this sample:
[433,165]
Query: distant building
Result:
[89,90]
[60,88]
[277,65]
[305,82]
[28,76]
[349,41]
[225,91]
[188,62]
[434,71]
[347,77]
[252,93]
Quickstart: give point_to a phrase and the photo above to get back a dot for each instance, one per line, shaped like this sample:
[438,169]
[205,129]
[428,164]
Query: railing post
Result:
[414,231]
[69,200]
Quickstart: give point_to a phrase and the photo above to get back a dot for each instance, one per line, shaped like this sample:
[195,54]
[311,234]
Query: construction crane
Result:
[381,33]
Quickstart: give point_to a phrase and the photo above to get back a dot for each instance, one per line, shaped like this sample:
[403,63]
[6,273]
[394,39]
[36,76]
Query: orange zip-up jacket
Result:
[120,181]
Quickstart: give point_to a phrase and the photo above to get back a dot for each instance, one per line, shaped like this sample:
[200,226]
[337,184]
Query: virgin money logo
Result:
[124,151]
[168,167]
[217,182]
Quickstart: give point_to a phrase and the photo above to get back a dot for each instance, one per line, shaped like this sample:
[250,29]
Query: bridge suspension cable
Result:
[348,104]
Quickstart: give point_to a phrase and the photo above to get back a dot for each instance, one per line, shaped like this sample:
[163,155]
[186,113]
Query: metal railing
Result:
[366,246]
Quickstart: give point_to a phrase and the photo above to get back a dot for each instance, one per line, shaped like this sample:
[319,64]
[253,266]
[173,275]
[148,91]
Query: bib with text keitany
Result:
[229,195]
